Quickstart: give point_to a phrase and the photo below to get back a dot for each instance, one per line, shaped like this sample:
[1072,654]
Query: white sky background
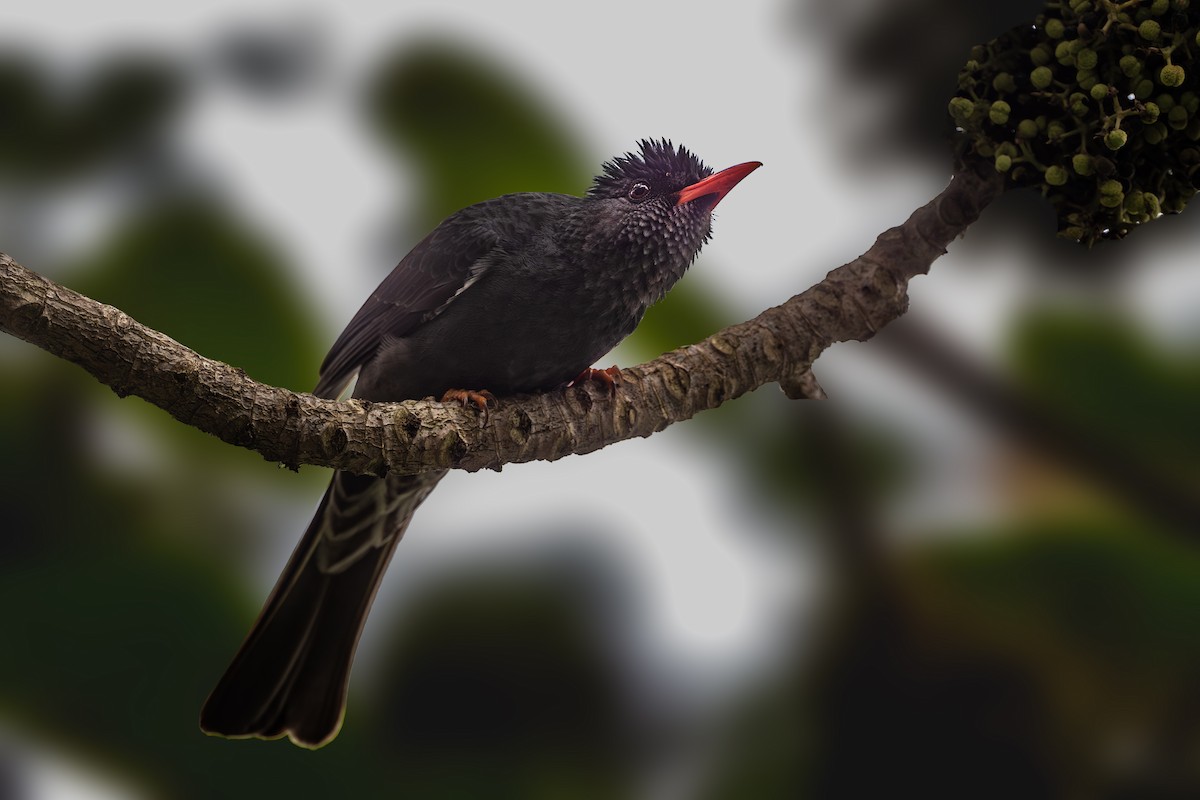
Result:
[734,82]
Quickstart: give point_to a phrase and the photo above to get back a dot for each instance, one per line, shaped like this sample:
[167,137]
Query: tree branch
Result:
[851,303]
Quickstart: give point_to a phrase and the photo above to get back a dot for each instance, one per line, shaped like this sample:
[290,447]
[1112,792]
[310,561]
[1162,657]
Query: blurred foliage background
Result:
[1047,645]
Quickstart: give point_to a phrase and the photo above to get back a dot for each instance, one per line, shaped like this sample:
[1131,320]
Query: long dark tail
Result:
[289,677]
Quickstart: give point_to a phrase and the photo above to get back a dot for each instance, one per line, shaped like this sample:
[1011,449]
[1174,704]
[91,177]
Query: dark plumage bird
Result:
[517,294]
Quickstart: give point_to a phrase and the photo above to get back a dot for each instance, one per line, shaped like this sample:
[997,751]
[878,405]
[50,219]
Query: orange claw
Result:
[481,399]
[608,378]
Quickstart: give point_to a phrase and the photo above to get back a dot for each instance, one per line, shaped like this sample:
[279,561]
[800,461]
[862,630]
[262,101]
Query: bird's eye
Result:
[639,191]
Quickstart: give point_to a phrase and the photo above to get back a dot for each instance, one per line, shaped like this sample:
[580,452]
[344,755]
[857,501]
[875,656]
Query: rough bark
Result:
[779,345]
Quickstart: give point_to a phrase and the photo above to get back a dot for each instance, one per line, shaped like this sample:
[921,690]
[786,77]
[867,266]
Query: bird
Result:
[521,293]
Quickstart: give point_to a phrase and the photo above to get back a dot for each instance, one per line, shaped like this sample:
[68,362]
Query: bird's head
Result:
[664,193]
[668,175]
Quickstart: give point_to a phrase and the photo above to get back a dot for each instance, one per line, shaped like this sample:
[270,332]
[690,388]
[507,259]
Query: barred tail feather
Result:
[289,677]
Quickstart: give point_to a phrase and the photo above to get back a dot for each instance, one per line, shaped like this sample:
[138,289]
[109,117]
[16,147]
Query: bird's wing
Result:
[444,264]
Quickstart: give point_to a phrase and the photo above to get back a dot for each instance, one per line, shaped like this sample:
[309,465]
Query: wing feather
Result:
[435,272]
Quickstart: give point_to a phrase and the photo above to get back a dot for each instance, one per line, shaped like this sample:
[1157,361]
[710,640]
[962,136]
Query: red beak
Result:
[716,186]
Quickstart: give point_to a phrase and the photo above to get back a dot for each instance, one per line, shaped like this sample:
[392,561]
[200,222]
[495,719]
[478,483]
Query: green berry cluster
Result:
[1097,103]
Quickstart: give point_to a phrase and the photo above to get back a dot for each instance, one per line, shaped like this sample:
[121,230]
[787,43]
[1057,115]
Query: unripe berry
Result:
[961,109]
[1171,75]
[1115,140]
[1111,200]
[1041,77]
[1149,30]
[1135,203]
[1178,118]
[1004,83]
[1056,175]
[1130,65]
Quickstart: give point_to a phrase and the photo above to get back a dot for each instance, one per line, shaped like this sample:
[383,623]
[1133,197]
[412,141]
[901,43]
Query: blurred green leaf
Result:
[470,129]
[1101,586]
[126,102]
[118,658]
[1106,375]
[689,313]
[48,133]
[192,271]
[26,121]
[499,687]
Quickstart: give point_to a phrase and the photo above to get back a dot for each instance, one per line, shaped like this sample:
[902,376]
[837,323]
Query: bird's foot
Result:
[482,399]
[607,378]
